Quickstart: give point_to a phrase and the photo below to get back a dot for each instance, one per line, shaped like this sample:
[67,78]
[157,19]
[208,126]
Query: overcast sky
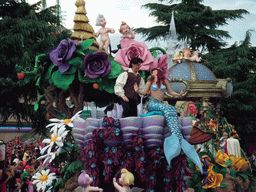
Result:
[131,12]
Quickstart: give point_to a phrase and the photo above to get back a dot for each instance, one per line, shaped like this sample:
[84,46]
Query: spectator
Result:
[28,172]
[4,178]
[17,141]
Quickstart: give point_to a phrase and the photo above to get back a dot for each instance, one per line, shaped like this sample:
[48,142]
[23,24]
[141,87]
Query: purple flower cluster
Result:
[95,64]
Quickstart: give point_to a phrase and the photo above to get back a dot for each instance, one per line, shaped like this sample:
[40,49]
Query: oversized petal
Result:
[64,134]
[44,149]
[55,120]
[59,143]
[46,140]
[61,130]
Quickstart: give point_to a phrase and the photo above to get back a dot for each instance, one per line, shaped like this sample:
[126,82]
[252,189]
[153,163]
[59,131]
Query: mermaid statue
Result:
[156,87]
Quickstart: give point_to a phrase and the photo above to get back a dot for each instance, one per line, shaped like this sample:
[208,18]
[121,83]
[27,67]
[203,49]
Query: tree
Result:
[194,21]
[238,63]
[26,31]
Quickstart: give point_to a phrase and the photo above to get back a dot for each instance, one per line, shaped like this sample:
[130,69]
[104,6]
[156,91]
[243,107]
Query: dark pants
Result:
[129,108]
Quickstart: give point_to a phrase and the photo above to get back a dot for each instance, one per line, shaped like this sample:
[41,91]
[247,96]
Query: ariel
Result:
[156,86]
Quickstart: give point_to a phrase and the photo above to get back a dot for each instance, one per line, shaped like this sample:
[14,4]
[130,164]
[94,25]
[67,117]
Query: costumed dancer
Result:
[103,32]
[223,143]
[233,145]
[84,180]
[124,87]
[158,85]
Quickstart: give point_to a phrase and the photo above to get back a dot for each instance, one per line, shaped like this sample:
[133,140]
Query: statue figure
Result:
[126,180]
[84,180]
[126,31]
[186,54]
[103,33]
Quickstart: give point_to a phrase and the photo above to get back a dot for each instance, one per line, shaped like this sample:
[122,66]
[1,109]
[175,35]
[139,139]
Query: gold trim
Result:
[182,81]
[192,71]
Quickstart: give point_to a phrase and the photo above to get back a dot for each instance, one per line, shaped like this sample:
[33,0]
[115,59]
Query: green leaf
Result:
[116,70]
[154,54]
[232,172]
[18,68]
[36,106]
[86,44]
[107,85]
[85,79]
[61,80]
[71,70]
[38,81]
[49,71]
[228,163]
[243,176]
[223,185]
[77,61]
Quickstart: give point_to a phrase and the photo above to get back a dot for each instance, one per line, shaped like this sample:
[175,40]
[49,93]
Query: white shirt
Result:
[233,147]
[121,81]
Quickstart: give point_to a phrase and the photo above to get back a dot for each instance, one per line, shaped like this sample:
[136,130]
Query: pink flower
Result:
[131,48]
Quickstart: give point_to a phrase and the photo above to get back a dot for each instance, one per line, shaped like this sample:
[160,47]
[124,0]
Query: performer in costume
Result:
[124,87]
[157,85]
[223,143]
[233,146]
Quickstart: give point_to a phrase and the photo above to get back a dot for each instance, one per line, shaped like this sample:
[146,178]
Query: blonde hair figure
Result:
[125,180]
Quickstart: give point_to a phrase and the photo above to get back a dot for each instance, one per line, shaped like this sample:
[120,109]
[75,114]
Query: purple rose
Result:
[62,54]
[96,64]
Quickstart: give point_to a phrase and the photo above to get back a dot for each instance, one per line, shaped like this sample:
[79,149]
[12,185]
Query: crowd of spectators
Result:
[19,166]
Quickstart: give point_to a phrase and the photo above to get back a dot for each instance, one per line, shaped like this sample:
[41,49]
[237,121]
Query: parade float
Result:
[92,151]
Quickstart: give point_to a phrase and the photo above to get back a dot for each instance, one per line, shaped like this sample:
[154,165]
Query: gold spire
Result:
[82,29]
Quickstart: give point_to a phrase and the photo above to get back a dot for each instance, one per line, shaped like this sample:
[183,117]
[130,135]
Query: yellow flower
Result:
[221,158]
[238,164]
[213,180]
[208,159]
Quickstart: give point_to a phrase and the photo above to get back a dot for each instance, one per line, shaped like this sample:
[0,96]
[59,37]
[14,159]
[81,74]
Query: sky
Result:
[130,11]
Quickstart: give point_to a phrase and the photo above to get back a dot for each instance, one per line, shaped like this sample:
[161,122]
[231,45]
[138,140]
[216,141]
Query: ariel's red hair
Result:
[160,77]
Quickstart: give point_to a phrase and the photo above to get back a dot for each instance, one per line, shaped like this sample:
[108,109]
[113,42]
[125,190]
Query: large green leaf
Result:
[85,45]
[107,85]
[116,70]
[61,80]
[77,62]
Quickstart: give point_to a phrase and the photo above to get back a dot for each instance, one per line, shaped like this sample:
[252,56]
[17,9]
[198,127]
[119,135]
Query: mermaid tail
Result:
[175,143]
[173,147]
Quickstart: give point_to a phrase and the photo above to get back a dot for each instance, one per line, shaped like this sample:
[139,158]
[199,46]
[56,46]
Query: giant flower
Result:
[96,64]
[62,54]
[213,180]
[62,122]
[57,138]
[43,179]
[239,164]
[49,157]
[221,158]
[131,48]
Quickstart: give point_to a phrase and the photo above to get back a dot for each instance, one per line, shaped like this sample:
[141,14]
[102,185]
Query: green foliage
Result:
[25,32]
[238,63]
[193,20]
